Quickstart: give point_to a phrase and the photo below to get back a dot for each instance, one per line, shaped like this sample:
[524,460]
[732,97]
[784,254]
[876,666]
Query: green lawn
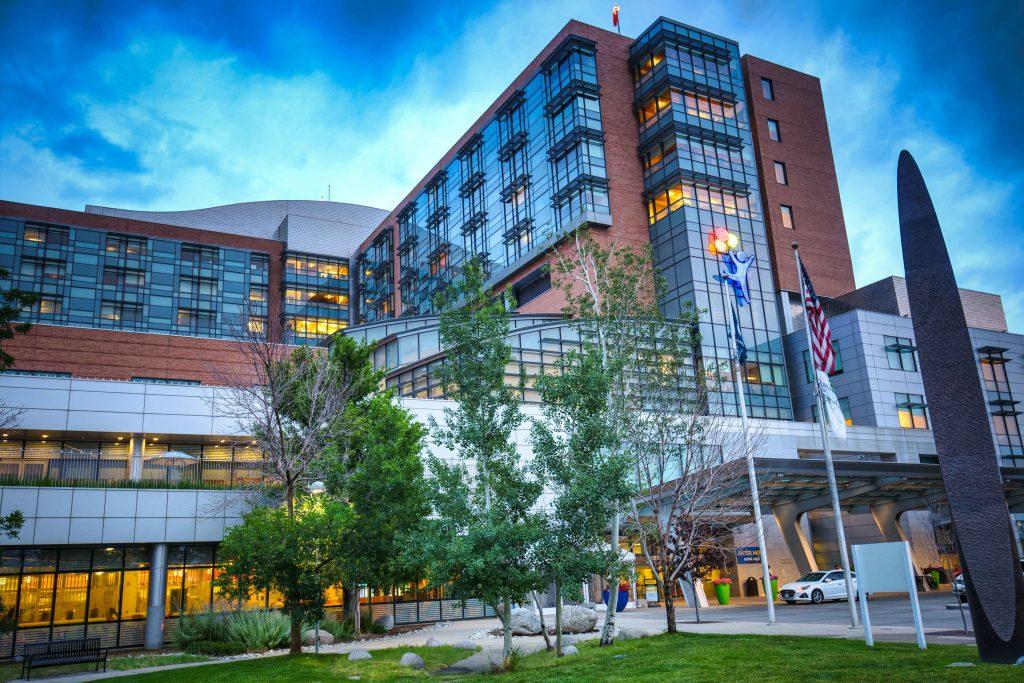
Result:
[309,668]
[9,672]
[692,657]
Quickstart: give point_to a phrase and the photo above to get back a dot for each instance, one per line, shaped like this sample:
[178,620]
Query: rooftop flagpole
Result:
[833,490]
[615,18]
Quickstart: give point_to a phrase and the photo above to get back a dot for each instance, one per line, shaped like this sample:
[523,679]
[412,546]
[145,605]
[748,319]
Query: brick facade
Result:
[813,190]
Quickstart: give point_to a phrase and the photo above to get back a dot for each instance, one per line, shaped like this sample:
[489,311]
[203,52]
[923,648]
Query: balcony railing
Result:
[85,468]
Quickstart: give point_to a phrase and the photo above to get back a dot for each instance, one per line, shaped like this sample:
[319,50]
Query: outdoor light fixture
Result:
[317,487]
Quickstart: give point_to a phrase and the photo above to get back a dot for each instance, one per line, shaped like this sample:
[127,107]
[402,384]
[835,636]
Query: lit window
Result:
[257,325]
[774,133]
[787,217]
[780,173]
[912,411]
[768,88]
[49,305]
[257,294]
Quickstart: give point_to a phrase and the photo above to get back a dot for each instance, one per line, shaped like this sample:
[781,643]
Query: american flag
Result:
[821,335]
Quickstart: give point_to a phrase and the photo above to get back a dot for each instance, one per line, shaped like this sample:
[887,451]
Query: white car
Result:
[817,587]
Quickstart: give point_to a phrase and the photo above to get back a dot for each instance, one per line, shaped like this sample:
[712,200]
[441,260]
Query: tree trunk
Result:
[295,646]
[670,614]
[507,628]
[558,619]
[696,599]
[543,626]
[350,594]
[608,631]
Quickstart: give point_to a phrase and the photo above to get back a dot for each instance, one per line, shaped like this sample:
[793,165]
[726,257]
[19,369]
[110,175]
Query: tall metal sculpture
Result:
[963,440]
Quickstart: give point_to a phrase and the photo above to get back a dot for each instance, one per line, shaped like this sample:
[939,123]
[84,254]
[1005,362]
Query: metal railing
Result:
[39,467]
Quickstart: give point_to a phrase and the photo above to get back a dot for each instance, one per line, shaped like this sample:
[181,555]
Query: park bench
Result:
[60,652]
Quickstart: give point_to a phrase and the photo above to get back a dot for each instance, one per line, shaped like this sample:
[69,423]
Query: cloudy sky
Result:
[160,106]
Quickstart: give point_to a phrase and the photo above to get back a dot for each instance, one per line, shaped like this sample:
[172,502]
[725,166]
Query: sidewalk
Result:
[649,619]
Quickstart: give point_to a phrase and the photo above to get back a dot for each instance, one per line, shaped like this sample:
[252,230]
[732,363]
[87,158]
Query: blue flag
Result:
[741,347]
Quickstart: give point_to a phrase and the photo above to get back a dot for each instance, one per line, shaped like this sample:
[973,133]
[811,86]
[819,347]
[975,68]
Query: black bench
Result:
[60,652]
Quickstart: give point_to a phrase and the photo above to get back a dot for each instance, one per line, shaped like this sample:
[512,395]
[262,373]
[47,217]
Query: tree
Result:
[291,402]
[610,294]
[10,526]
[587,478]
[689,496]
[379,473]
[481,542]
[290,549]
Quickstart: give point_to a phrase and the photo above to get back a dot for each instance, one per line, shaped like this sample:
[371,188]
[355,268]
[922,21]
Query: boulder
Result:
[631,634]
[309,637]
[578,619]
[569,650]
[357,655]
[433,642]
[385,621]
[525,623]
[411,660]
[589,605]
[466,645]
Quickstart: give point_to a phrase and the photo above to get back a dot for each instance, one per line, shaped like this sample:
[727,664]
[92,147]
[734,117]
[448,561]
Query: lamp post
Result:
[723,243]
[316,488]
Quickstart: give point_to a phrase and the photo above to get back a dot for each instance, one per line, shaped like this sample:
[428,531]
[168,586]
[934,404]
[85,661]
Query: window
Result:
[774,132]
[844,406]
[901,353]
[780,174]
[49,235]
[768,88]
[49,305]
[196,321]
[787,217]
[42,269]
[123,245]
[121,314]
[198,255]
[839,363]
[532,286]
[912,411]
[197,287]
[257,293]
[124,277]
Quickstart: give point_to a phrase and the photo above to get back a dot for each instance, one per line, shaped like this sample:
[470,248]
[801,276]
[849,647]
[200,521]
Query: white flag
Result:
[833,411]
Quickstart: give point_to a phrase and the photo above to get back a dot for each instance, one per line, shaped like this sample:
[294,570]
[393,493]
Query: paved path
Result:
[890,618]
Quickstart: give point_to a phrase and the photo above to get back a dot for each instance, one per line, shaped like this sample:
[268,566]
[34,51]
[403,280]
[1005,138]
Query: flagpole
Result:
[755,495]
[833,490]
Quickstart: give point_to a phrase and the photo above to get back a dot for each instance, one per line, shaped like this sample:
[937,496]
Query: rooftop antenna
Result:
[328,194]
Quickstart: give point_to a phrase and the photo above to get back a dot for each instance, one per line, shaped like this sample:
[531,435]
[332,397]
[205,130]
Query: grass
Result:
[308,667]
[714,658]
[9,672]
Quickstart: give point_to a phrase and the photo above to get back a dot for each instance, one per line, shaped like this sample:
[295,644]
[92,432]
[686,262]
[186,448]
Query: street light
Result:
[316,488]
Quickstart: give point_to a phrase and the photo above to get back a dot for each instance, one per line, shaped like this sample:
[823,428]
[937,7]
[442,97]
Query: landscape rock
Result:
[385,621]
[957,664]
[309,637]
[589,605]
[433,642]
[569,650]
[411,660]
[578,619]
[525,623]
[466,645]
[357,655]
[631,634]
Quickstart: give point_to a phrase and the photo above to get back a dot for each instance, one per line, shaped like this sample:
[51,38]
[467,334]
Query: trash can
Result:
[751,587]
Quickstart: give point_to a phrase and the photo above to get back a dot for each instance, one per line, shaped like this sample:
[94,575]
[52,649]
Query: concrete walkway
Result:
[650,620]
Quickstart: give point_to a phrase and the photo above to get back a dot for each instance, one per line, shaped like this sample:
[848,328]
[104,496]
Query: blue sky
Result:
[184,105]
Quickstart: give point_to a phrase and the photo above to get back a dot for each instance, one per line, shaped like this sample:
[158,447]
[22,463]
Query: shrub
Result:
[258,629]
[341,630]
[202,627]
[214,648]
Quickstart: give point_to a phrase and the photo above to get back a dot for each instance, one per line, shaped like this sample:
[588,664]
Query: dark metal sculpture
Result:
[963,440]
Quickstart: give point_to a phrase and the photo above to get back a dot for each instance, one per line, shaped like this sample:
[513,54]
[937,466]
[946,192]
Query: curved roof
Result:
[309,225]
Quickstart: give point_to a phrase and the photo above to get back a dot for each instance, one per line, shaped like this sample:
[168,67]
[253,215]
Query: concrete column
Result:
[887,517]
[788,519]
[155,607]
[137,448]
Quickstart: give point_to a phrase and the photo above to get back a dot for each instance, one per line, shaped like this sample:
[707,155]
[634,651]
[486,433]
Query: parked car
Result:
[817,587]
[959,589]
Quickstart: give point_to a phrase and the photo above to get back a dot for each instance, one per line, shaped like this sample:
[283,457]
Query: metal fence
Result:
[76,468]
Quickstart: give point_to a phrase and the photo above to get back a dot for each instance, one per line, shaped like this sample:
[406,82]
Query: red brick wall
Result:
[130,226]
[813,190]
[110,354]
